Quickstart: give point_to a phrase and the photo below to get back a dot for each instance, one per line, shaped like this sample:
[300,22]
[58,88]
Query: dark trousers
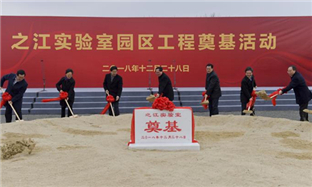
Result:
[8,111]
[244,104]
[303,116]
[68,112]
[213,106]
[115,107]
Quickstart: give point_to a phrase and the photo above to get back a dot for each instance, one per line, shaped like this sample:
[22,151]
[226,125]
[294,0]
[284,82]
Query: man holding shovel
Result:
[113,86]
[165,86]
[67,84]
[16,88]
[302,92]
[248,84]
[213,90]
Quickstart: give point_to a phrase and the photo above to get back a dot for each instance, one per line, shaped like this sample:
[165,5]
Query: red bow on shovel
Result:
[5,98]
[251,102]
[62,96]
[274,95]
[109,100]
[205,101]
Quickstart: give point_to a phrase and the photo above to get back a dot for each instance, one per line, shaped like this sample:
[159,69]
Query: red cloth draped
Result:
[109,100]
[252,100]
[275,94]
[63,95]
[163,103]
[5,97]
[205,106]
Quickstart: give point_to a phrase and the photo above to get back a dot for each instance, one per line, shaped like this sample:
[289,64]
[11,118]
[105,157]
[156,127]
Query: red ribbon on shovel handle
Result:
[109,100]
[274,95]
[62,96]
[5,98]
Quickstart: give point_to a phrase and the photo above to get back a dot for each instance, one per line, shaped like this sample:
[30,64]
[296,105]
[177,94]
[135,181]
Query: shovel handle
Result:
[15,112]
[273,96]
[112,108]
[72,113]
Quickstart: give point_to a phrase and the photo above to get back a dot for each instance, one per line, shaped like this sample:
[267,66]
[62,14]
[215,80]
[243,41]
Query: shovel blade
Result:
[307,111]
[247,111]
[74,116]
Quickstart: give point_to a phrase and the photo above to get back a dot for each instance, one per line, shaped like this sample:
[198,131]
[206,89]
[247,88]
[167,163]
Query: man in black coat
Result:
[248,84]
[113,86]
[165,87]
[16,88]
[302,92]
[213,90]
[67,84]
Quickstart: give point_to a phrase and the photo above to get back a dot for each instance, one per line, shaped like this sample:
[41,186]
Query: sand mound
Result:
[92,151]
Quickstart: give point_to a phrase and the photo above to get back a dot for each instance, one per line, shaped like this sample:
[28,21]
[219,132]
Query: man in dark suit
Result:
[113,86]
[302,92]
[165,87]
[248,84]
[67,84]
[213,90]
[16,88]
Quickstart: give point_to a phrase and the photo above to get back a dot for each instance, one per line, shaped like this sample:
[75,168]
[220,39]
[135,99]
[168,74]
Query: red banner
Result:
[182,46]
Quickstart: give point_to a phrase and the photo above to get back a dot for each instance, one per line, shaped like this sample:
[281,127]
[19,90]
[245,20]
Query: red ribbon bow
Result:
[109,100]
[275,94]
[5,97]
[163,103]
[205,106]
[63,95]
[252,100]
